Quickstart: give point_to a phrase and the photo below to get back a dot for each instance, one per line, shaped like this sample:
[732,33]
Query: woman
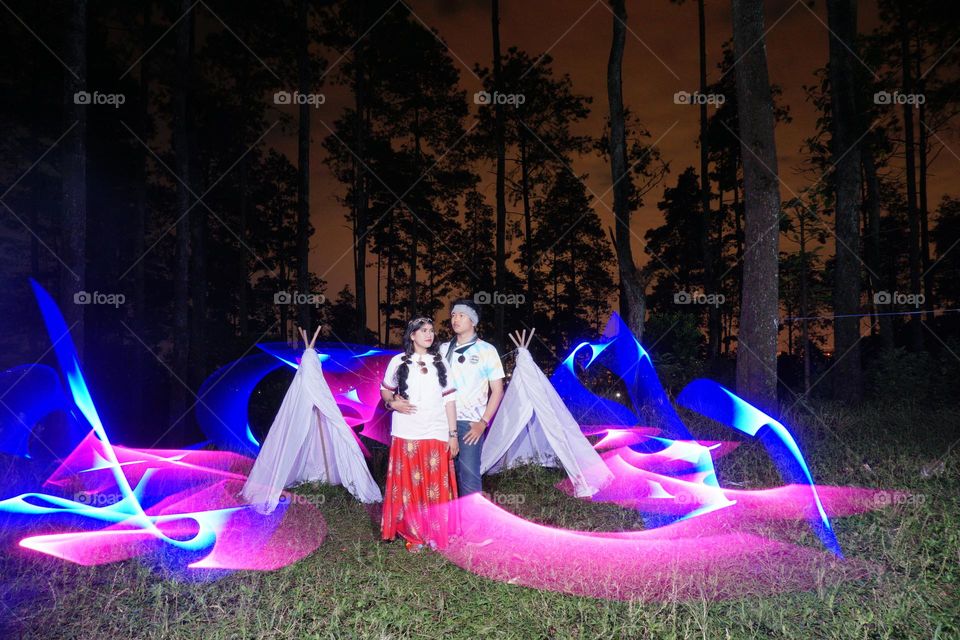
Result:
[420,476]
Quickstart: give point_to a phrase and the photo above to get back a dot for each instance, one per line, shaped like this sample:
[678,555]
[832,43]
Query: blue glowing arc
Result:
[718,403]
[128,508]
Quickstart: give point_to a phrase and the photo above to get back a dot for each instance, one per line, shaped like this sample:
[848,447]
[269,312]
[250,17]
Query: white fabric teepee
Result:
[308,442]
[533,425]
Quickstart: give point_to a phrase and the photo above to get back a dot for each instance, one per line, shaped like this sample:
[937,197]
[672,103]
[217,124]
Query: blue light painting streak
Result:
[718,403]
[128,509]
[623,355]
[30,393]
[223,414]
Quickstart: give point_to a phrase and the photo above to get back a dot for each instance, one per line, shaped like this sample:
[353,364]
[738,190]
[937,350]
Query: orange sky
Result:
[660,59]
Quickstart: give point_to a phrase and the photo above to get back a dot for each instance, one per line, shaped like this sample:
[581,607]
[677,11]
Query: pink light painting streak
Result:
[712,556]
[164,499]
[192,496]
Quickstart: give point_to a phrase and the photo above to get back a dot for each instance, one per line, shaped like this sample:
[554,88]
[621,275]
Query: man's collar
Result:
[474,338]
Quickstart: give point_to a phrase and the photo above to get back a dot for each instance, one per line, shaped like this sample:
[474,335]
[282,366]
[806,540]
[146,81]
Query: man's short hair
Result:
[470,303]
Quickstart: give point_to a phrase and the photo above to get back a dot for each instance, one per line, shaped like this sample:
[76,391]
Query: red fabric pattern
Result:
[420,477]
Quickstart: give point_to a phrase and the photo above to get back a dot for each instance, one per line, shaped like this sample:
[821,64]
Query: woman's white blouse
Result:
[426,394]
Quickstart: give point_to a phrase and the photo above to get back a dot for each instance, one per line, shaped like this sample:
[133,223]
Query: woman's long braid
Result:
[441,368]
[402,372]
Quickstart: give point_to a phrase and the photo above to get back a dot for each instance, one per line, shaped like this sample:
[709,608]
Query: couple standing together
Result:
[442,397]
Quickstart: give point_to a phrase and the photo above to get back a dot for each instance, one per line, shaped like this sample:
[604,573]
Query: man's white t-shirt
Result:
[425,393]
[481,364]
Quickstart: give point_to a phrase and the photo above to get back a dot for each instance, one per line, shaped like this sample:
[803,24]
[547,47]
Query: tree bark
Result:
[73,230]
[500,276]
[181,150]
[633,305]
[303,163]
[414,228]
[527,224]
[198,258]
[873,240]
[757,348]
[709,277]
[922,150]
[243,284]
[360,184]
[139,232]
[804,307]
[845,151]
[913,216]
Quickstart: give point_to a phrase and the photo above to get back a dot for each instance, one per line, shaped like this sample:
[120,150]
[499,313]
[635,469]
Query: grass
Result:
[355,586]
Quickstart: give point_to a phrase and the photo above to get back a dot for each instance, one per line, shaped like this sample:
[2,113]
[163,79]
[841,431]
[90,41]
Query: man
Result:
[478,377]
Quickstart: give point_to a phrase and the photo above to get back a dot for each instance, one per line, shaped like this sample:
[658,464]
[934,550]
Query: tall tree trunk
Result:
[845,150]
[380,339]
[804,306]
[73,228]
[139,232]
[916,331]
[501,241]
[757,349]
[243,284]
[873,239]
[360,178]
[303,161]
[633,302]
[737,224]
[709,278]
[181,150]
[285,285]
[922,192]
[391,253]
[35,267]
[527,224]
[414,228]
[556,282]
[198,260]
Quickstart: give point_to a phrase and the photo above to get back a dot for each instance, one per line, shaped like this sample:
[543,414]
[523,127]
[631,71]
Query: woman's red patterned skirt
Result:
[420,483]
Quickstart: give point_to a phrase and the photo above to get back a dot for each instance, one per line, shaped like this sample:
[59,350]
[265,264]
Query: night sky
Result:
[660,59]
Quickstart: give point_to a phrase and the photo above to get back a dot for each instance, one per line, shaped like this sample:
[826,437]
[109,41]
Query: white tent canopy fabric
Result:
[533,425]
[309,441]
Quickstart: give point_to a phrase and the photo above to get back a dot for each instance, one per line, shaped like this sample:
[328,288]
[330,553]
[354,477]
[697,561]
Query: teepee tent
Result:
[533,425]
[308,442]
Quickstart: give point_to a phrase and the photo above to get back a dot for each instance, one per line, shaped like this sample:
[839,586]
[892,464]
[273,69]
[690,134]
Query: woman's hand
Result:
[453,444]
[403,405]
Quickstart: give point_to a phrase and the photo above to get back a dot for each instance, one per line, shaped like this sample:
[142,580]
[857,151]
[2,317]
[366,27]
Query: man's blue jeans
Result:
[467,462]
